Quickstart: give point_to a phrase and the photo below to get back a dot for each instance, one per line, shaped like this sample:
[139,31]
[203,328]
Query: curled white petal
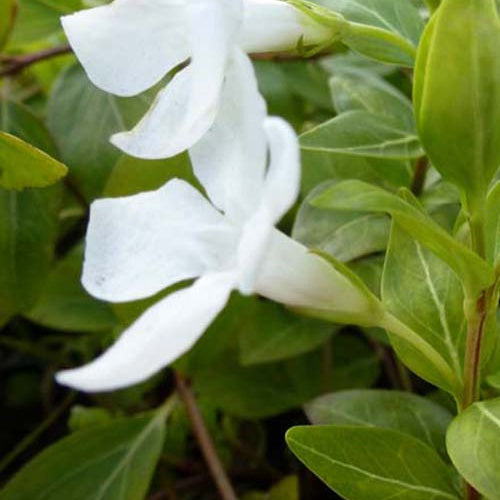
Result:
[290,274]
[275,25]
[230,159]
[187,107]
[282,184]
[162,334]
[129,45]
[139,245]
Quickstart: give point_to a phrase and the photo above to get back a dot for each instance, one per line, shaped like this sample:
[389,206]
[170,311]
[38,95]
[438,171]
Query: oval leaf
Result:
[366,463]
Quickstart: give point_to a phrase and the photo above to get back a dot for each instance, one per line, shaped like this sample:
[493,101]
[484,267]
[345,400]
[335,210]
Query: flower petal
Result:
[162,334]
[282,184]
[186,109]
[129,45]
[290,274]
[140,244]
[275,25]
[230,159]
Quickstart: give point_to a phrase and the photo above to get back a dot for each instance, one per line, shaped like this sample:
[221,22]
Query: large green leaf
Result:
[356,89]
[22,165]
[354,195]
[28,222]
[38,19]
[345,235]
[457,88]
[472,442]
[424,293]
[386,30]
[110,462]
[64,304]
[8,10]
[82,119]
[271,333]
[400,411]
[361,463]
[360,133]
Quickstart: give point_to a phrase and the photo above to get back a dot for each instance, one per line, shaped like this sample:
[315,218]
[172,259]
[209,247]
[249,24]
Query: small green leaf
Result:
[386,30]
[344,235]
[112,462]
[400,411]
[22,165]
[271,333]
[361,463]
[360,133]
[472,442]
[474,272]
[457,84]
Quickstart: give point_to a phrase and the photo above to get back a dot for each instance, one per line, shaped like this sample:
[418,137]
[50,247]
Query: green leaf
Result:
[22,165]
[286,489]
[433,309]
[360,133]
[39,19]
[472,442]
[133,175]
[356,89]
[111,462]
[361,463]
[271,333]
[63,303]
[386,30]
[8,11]
[82,119]
[493,225]
[457,84]
[474,272]
[400,411]
[344,235]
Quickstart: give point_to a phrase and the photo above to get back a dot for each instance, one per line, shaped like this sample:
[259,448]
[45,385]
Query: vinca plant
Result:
[250,249]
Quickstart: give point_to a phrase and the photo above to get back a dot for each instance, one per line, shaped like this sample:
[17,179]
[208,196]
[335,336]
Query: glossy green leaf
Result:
[63,303]
[8,11]
[360,133]
[344,235]
[111,462]
[361,463]
[82,119]
[457,84]
[475,273]
[433,308]
[22,165]
[356,89]
[386,30]
[472,442]
[271,333]
[400,411]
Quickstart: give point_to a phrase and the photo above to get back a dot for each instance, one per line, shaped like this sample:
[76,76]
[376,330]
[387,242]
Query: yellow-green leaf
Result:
[22,165]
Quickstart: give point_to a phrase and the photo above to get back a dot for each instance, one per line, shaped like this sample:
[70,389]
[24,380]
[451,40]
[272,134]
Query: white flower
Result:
[128,46]
[139,245]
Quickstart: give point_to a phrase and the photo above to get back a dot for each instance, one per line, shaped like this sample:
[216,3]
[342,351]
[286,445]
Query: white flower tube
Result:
[128,46]
[138,245]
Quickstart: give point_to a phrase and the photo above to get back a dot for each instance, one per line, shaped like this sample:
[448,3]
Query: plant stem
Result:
[204,439]
[31,438]
[471,493]
[16,64]
[419,175]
